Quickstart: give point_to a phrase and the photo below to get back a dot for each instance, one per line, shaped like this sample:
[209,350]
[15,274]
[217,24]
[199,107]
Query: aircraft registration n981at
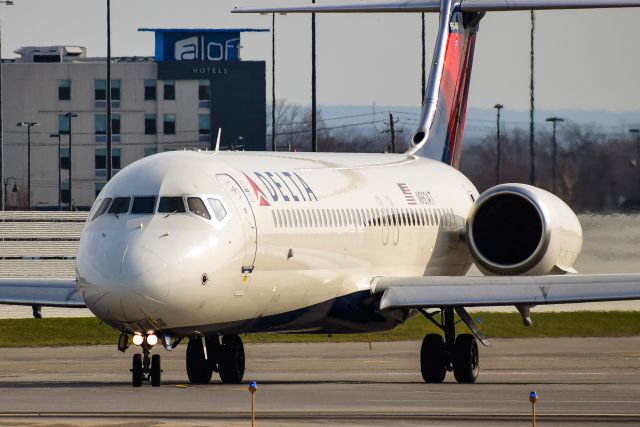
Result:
[209,245]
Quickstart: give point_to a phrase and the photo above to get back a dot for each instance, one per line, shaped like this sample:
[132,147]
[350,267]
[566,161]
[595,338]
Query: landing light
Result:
[137,339]
[152,339]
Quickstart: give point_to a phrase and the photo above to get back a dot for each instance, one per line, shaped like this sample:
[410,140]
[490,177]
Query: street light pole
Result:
[6,183]
[498,107]
[69,116]
[636,132]
[314,136]
[28,125]
[109,129]
[57,135]
[2,199]
[554,155]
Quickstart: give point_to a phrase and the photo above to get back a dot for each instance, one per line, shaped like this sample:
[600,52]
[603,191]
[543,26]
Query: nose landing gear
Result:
[144,366]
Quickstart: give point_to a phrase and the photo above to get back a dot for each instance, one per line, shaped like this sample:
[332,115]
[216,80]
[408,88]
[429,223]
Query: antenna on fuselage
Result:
[218,141]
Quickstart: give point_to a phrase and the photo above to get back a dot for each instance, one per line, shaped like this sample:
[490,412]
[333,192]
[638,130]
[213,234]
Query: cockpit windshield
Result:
[196,205]
[143,205]
[209,208]
[120,205]
[171,205]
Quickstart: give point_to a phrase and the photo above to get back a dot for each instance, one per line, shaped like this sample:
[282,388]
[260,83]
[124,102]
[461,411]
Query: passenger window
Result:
[217,208]
[102,209]
[143,205]
[171,205]
[196,206]
[120,205]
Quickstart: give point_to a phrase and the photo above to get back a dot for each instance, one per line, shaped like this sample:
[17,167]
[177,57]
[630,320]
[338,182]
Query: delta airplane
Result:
[209,245]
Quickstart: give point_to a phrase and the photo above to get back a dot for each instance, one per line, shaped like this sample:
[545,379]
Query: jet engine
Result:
[518,229]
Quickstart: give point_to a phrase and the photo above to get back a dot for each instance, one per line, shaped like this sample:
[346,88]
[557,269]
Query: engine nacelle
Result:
[517,229]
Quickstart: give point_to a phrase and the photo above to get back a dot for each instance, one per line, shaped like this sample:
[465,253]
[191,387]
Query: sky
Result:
[584,59]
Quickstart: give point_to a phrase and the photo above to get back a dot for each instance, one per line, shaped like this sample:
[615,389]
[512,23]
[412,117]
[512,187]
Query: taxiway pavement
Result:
[591,381]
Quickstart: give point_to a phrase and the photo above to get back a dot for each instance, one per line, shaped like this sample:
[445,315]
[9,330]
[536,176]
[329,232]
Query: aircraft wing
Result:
[434,6]
[41,293]
[469,291]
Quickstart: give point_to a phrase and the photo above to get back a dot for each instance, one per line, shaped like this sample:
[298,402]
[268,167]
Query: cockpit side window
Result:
[143,205]
[171,205]
[217,208]
[196,205]
[102,209]
[120,205]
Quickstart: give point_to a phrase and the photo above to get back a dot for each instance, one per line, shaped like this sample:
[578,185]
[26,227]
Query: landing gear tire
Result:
[232,360]
[466,360]
[156,371]
[433,359]
[199,369]
[136,371]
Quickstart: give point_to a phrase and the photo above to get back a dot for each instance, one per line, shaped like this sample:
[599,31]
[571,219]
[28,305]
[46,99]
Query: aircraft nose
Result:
[128,281]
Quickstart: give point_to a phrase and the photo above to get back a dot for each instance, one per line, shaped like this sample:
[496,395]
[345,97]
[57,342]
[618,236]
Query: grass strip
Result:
[90,331]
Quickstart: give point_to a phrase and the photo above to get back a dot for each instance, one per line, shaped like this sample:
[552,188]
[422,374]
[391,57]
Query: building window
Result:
[63,124]
[150,124]
[100,93]
[150,151]
[115,90]
[64,192]
[98,186]
[101,127]
[149,90]
[169,90]
[64,158]
[101,161]
[169,126]
[204,125]
[204,93]
[64,90]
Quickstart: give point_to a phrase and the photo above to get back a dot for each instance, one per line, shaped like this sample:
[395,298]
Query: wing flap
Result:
[426,292]
[41,292]
[405,6]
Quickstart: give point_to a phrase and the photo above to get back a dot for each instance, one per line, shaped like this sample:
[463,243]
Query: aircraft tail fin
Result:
[440,132]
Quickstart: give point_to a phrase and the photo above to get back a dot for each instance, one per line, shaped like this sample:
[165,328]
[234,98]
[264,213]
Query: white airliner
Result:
[209,245]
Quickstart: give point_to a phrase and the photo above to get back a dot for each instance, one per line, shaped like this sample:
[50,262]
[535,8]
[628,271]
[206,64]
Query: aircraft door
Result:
[383,219]
[244,210]
[394,225]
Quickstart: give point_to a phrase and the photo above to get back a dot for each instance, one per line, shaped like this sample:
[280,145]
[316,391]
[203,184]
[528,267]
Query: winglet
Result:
[217,150]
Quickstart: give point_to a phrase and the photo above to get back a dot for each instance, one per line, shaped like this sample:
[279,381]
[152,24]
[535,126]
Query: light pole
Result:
[498,107]
[6,183]
[554,155]
[28,125]
[636,132]
[2,199]
[109,130]
[314,136]
[69,116]
[57,135]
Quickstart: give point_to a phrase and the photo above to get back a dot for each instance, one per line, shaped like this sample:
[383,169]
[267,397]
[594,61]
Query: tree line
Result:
[595,171]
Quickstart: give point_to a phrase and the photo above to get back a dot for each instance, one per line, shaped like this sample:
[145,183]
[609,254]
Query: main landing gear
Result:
[206,355]
[450,353]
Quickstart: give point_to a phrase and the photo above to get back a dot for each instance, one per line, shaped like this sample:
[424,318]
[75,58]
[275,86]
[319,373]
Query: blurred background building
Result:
[194,85]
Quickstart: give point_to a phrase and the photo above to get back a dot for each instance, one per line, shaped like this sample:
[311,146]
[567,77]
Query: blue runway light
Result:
[533,396]
[253,385]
